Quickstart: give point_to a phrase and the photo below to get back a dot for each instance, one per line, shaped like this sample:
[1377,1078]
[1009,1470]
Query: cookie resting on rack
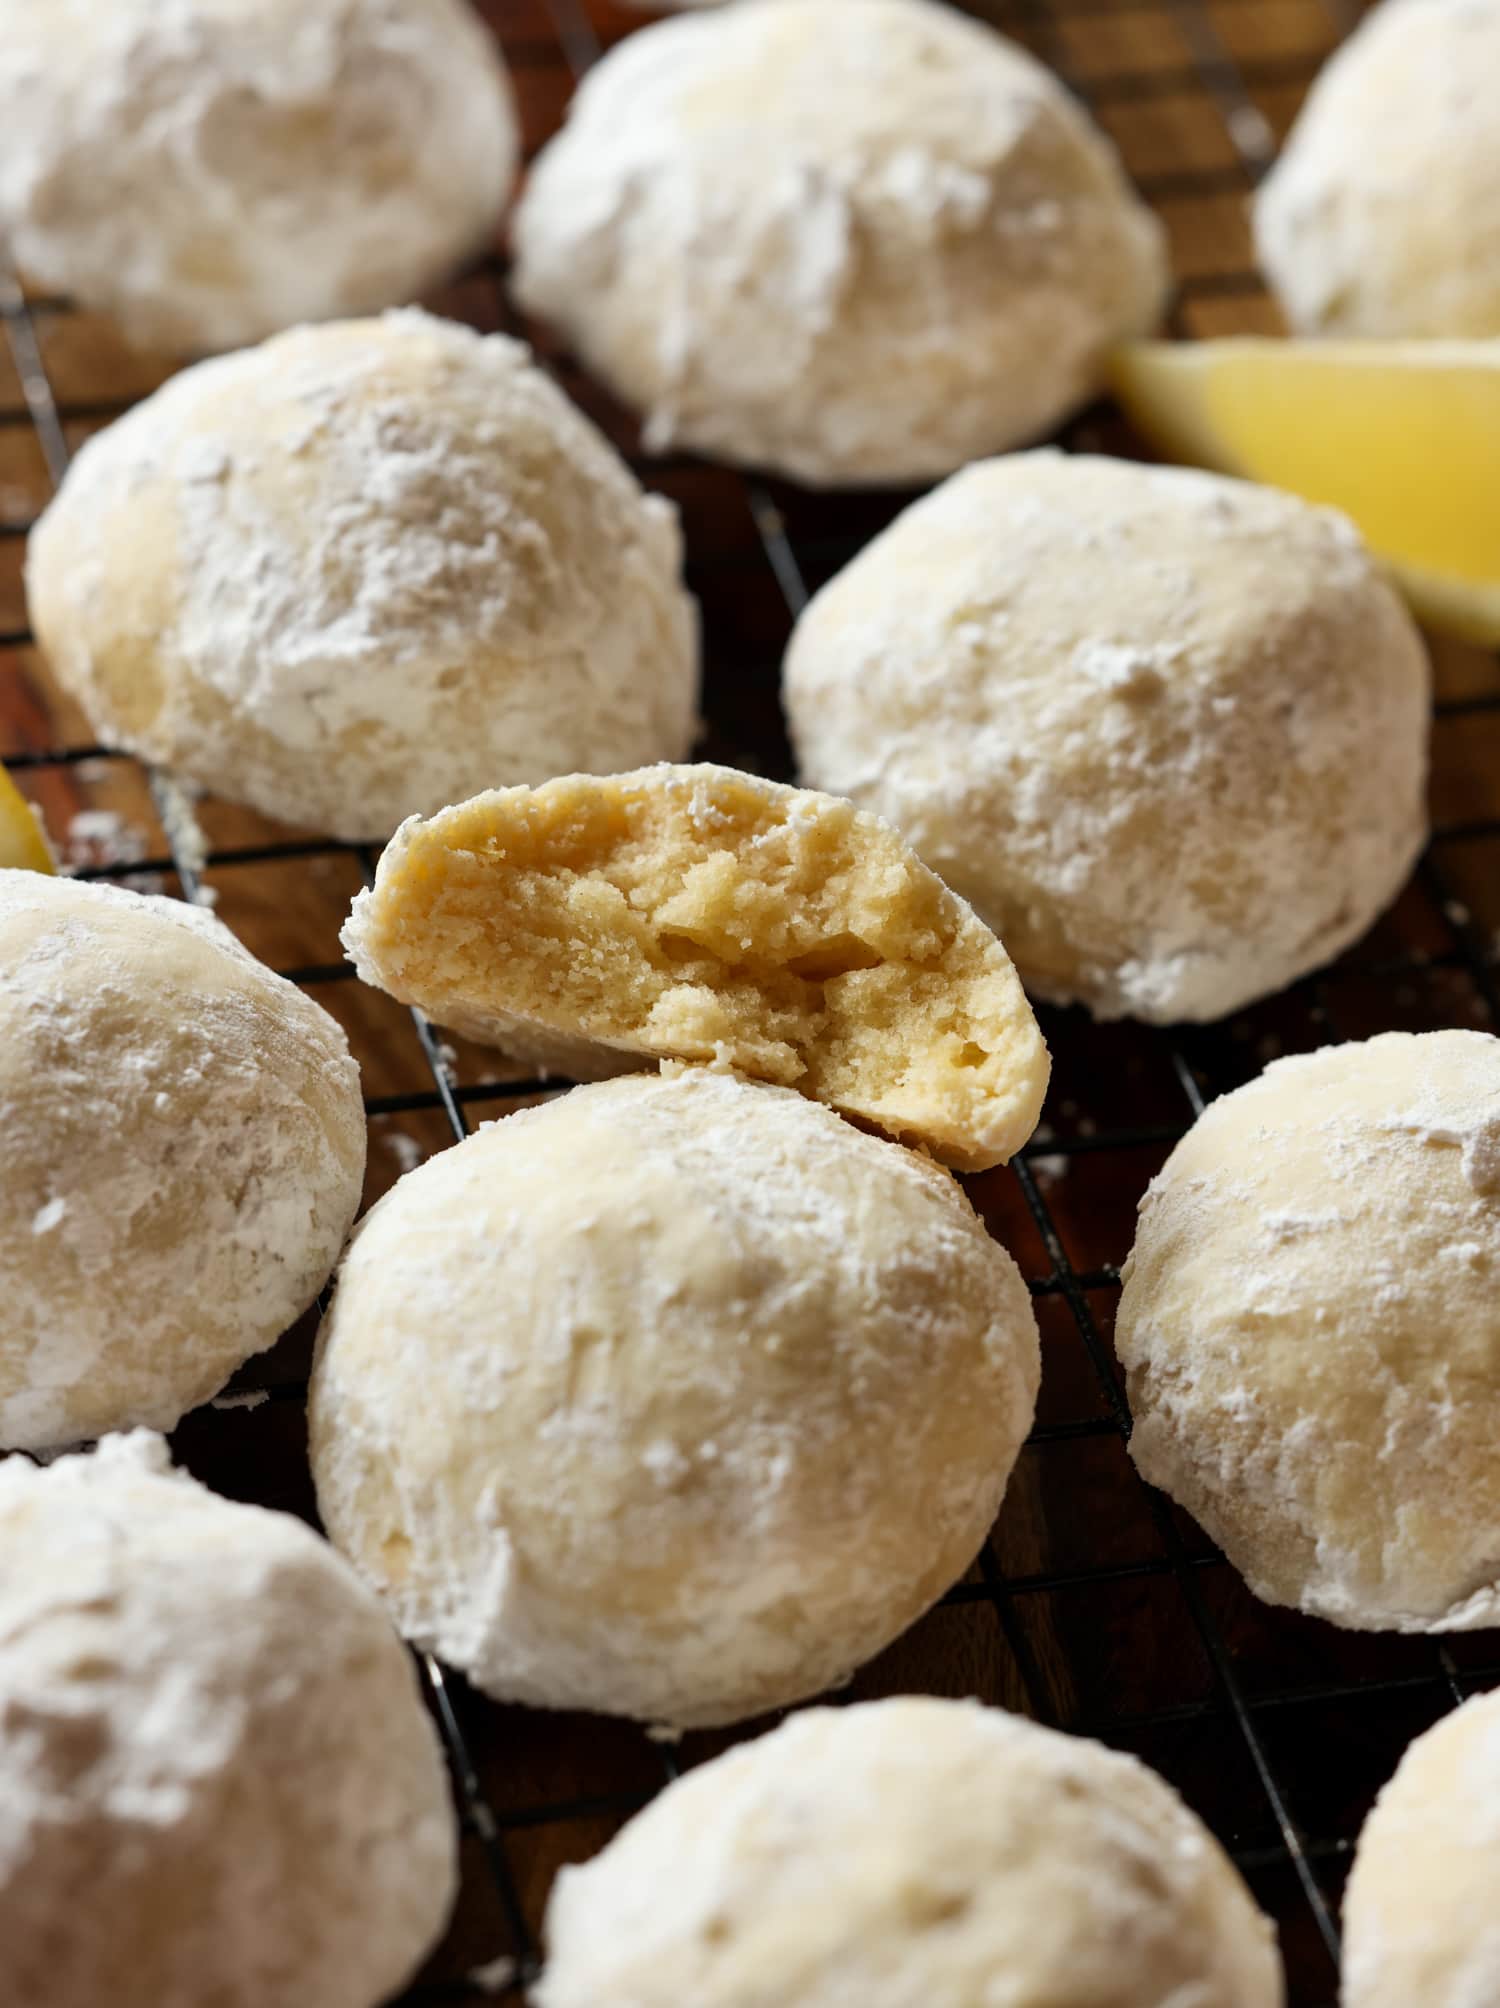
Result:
[697,913]
[1311,1331]
[1166,731]
[856,242]
[217,1779]
[1420,1925]
[677,1398]
[1399,237]
[208,171]
[911,1854]
[184,1148]
[362,571]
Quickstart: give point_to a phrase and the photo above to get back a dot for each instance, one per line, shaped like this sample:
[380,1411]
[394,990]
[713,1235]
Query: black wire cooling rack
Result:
[1095,1605]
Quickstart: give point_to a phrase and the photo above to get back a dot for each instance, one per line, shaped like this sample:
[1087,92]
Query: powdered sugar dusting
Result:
[401,567]
[594,1533]
[185,1144]
[267,164]
[201,1695]
[1310,1329]
[1392,240]
[863,241]
[968,1843]
[1164,730]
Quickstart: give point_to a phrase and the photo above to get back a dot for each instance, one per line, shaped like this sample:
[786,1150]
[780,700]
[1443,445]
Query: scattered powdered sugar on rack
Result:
[495,1976]
[177,805]
[99,837]
[405,1149]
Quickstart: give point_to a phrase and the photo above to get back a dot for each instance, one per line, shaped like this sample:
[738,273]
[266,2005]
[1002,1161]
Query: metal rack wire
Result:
[1095,1605]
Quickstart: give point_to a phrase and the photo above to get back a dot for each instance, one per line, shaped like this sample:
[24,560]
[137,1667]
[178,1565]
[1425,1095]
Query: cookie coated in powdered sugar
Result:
[856,241]
[1398,238]
[1311,1331]
[209,171]
[1165,731]
[362,571]
[207,1726]
[911,1850]
[1419,1916]
[185,1145]
[676,1398]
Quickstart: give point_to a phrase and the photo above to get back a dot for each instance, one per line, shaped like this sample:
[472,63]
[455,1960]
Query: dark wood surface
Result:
[1094,1607]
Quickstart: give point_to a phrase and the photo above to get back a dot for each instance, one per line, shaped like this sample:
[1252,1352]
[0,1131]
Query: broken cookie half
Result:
[600,922]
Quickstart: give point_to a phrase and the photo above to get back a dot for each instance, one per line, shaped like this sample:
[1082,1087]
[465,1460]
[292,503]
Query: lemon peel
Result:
[1404,437]
[23,846]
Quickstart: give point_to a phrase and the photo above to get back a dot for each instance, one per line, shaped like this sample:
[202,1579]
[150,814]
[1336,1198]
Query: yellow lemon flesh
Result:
[22,845]
[1404,437]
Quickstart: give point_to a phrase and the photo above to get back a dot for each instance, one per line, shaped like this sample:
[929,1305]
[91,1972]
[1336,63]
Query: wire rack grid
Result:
[1095,1605]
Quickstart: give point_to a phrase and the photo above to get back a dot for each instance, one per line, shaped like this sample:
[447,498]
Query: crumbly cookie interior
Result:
[698,914]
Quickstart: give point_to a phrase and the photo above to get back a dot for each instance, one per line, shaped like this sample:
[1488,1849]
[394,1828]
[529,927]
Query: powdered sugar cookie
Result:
[905,1852]
[184,1148]
[857,241]
[362,571]
[1166,731]
[676,1398]
[1399,238]
[208,1724]
[1311,1331]
[265,161]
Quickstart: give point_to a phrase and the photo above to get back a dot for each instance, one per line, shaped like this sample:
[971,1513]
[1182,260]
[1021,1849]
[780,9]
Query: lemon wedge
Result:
[22,845]
[1402,436]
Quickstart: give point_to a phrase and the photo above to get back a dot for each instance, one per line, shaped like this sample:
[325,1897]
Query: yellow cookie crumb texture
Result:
[695,913]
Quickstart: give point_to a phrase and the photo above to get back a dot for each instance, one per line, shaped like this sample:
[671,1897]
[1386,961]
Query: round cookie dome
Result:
[1165,731]
[363,571]
[184,1148]
[910,1852]
[1419,1908]
[207,1726]
[861,241]
[1400,238]
[265,161]
[676,1398]
[1311,1331]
